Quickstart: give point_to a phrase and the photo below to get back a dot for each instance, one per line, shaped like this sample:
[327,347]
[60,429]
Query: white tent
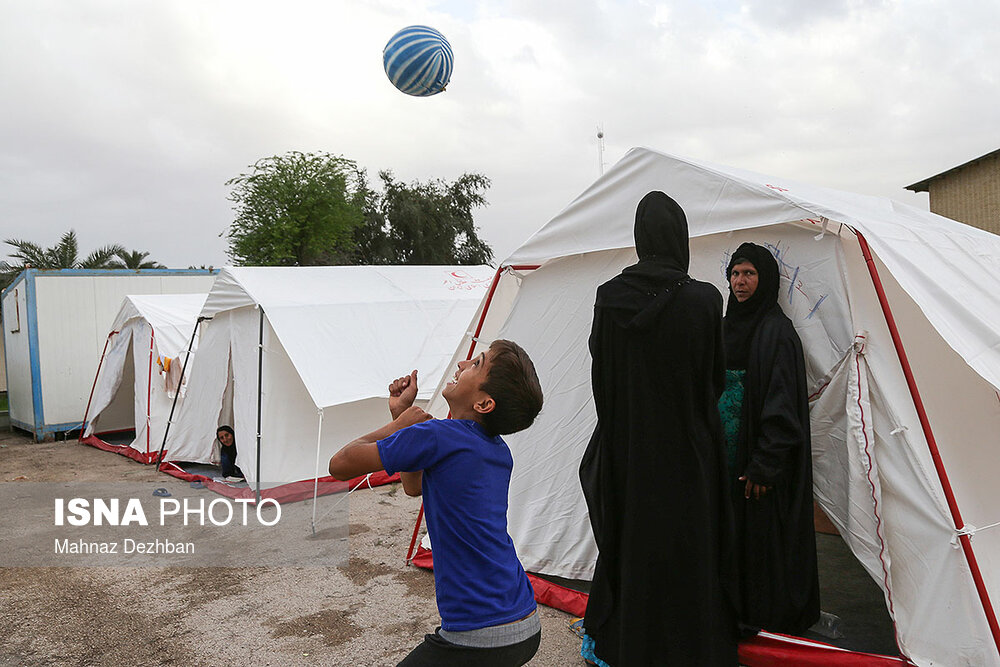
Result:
[55,328]
[303,357]
[899,313]
[139,371]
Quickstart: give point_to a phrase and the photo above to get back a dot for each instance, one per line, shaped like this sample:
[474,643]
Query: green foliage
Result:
[133,259]
[423,223]
[299,209]
[63,255]
[304,209]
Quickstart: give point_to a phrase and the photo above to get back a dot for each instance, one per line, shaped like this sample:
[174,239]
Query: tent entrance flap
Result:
[117,412]
[963,538]
[177,394]
[86,413]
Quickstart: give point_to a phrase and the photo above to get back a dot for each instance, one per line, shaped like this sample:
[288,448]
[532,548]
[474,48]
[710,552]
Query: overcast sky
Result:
[124,119]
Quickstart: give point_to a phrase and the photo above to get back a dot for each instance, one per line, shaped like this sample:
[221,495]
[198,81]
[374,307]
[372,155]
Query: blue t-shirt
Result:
[478,579]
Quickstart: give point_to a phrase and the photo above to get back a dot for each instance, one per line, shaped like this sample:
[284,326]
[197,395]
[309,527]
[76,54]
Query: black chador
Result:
[653,473]
[777,542]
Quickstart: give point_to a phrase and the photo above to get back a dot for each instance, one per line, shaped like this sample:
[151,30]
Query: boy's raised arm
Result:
[360,456]
[402,393]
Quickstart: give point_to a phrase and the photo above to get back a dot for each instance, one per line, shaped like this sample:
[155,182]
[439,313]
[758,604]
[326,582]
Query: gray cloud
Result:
[125,121]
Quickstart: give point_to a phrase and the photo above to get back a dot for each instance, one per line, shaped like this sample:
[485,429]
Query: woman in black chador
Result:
[654,471]
[765,414]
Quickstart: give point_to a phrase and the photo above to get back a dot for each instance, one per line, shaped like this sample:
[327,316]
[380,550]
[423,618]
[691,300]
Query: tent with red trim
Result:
[899,313]
[138,374]
[298,361]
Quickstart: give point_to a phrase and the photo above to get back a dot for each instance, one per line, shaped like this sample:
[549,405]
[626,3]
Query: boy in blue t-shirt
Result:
[462,467]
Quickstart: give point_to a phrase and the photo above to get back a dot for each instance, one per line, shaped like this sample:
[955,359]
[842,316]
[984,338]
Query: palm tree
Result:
[134,259]
[63,255]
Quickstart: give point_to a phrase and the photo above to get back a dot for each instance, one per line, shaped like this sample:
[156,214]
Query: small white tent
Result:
[899,313]
[298,360]
[139,372]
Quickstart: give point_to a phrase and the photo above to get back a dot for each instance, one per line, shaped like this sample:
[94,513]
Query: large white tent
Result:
[298,360]
[899,313]
[139,372]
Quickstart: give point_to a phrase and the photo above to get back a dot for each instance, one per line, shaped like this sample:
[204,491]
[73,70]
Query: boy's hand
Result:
[402,393]
[410,416]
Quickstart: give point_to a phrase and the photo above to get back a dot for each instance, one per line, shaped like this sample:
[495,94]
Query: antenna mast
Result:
[600,149]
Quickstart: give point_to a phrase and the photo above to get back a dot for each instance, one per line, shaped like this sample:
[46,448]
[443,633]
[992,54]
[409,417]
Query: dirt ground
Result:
[370,612]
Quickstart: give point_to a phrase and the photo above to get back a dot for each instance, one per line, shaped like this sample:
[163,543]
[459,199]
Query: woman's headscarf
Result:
[742,319]
[661,242]
[661,232]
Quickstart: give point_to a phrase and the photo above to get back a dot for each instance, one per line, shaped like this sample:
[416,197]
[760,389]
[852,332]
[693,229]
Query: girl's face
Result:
[226,438]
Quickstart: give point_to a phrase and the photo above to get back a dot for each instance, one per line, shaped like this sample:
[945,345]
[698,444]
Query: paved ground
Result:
[369,612]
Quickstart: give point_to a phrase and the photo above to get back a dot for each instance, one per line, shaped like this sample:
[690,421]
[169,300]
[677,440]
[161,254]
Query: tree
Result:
[134,259]
[299,209]
[63,255]
[423,223]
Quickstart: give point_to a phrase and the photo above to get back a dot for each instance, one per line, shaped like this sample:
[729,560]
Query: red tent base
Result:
[764,650]
[285,493]
[124,450]
[773,650]
[546,592]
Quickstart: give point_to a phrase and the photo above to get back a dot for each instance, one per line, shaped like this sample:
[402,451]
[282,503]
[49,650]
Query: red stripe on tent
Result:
[486,309]
[124,450]
[489,300]
[764,650]
[918,404]
[546,592]
[284,493]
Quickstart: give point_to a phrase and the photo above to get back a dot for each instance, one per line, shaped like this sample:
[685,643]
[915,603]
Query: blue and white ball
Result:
[418,60]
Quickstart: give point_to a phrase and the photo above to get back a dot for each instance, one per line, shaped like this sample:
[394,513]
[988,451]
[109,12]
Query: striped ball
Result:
[418,60]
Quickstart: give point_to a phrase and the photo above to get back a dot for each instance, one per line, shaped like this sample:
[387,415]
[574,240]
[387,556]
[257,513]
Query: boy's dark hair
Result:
[514,387]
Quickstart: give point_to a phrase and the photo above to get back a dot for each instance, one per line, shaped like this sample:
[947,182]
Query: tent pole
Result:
[416,529]
[319,438]
[925,425]
[149,384]
[486,309]
[472,348]
[260,368]
[86,412]
[489,299]
[180,382]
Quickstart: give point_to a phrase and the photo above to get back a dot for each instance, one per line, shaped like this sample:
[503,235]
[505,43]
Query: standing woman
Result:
[654,471]
[765,415]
